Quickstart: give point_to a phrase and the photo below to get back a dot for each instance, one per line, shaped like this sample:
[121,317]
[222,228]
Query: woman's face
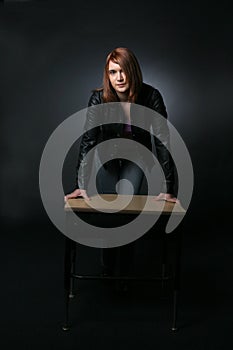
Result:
[118,78]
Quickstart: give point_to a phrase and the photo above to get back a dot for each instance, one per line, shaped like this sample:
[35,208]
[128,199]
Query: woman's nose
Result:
[119,76]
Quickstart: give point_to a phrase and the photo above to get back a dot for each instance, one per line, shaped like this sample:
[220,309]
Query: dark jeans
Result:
[119,260]
[109,179]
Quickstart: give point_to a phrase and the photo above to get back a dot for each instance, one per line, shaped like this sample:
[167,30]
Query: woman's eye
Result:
[111,72]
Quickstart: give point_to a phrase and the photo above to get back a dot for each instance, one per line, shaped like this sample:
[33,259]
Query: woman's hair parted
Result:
[129,64]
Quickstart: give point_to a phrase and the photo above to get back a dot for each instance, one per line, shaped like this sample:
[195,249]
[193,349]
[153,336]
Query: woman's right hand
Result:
[77,193]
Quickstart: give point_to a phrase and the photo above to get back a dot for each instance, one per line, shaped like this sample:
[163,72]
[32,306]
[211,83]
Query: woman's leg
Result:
[134,174]
[119,259]
[106,181]
[107,177]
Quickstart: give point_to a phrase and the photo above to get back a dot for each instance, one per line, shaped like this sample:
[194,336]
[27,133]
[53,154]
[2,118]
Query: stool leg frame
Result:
[69,275]
[176,287]
[164,259]
[69,262]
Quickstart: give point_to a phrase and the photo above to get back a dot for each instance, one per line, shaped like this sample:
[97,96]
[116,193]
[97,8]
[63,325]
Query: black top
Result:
[148,97]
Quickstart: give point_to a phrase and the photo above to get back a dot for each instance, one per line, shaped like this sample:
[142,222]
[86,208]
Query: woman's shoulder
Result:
[152,98]
[96,97]
[148,89]
[148,93]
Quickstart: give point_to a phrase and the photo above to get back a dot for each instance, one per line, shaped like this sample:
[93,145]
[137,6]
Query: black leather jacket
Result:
[148,97]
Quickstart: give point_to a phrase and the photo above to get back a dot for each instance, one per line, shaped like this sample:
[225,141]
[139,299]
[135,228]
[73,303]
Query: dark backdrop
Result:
[52,56]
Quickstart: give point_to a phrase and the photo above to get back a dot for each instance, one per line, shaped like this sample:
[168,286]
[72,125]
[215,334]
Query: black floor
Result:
[32,301]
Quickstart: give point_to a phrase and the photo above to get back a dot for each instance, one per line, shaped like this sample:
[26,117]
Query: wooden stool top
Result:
[114,202]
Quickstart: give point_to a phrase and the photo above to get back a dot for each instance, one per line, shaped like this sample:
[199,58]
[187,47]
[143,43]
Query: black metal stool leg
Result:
[176,280]
[164,258]
[175,302]
[66,326]
[72,279]
[67,279]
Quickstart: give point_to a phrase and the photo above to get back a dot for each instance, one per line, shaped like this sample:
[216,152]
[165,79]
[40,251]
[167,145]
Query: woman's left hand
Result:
[166,197]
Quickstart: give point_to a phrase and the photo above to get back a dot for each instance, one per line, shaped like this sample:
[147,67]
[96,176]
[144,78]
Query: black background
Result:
[52,56]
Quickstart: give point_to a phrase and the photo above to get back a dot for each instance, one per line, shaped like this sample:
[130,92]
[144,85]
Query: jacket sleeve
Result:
[88,141]
[162,142]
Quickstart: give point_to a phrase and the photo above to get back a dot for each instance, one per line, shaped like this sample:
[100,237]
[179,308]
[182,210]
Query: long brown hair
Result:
[129,64]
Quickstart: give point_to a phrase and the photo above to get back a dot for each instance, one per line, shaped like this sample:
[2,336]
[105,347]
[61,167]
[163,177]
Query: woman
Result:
[122,82]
